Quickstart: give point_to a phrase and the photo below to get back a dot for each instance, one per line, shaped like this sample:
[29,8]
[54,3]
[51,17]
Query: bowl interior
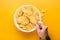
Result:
[18,11]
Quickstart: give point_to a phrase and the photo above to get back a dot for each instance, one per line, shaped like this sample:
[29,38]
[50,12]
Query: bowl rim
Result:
[39,14]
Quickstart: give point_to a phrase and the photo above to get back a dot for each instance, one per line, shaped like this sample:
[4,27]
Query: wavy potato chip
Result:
[37,17]
[27,12]
[23,20]
[31,25]
[22,26]
[33,20]
[28,27]
[19,19]
[20,13]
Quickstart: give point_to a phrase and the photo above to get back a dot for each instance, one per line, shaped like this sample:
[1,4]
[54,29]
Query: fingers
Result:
[42,29]
[46,29]
[37,26]
[41,25]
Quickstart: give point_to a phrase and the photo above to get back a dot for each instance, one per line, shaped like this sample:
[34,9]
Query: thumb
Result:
[37,26]
[46,28]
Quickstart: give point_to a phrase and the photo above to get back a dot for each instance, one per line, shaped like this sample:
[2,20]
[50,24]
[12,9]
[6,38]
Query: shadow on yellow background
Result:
[51,18]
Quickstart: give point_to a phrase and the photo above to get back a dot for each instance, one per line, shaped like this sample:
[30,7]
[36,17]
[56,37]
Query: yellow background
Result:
[51,18]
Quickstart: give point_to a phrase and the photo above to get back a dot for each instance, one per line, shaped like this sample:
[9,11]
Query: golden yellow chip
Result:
[27,11]
[20,13]
[22,26]
[28,27]
[37,18]
[23,20]
[31,25]
[19,19]
[24,10]
[33,20]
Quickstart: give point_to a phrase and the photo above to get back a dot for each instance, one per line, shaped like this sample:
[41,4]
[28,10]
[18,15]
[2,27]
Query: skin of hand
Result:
[42,30]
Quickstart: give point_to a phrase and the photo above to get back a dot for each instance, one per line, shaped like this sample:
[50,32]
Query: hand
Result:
[42,29]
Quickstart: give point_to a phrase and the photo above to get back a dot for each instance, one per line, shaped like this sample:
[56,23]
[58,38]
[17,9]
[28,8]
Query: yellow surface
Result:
[51,18]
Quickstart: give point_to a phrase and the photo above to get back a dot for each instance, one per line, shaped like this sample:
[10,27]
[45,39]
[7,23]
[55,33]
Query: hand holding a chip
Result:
[42,30]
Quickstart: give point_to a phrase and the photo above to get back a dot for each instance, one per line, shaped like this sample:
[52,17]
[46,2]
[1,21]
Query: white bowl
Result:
[17,12]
